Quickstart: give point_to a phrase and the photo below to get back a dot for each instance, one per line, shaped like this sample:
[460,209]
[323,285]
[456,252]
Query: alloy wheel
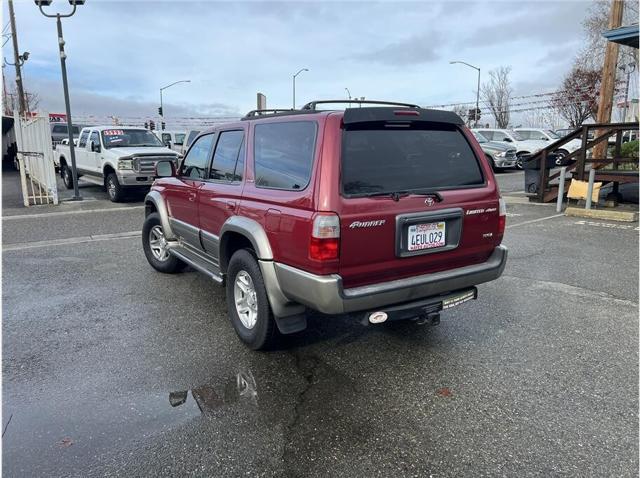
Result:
[245,298]
[158,244]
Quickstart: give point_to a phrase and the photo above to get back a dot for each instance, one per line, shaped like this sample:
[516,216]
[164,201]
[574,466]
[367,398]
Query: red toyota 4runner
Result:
[387,212]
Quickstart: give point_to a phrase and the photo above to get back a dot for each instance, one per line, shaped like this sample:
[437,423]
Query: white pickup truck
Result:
[114,157]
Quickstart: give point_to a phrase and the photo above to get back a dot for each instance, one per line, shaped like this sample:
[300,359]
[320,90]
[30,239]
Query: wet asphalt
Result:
[111,369]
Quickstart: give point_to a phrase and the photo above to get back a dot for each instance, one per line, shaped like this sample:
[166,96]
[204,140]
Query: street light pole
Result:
[294,85]
[477,91]
[161,110]
[628,69]
[348,92]
[65,86]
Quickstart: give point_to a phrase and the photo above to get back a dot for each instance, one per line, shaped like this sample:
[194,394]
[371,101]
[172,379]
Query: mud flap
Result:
[292,323]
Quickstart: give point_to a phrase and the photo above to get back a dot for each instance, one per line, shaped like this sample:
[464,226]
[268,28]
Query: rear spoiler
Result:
[371,114]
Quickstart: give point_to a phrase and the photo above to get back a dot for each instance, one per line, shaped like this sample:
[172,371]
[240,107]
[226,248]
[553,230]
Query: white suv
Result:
[513,138]
[550,137]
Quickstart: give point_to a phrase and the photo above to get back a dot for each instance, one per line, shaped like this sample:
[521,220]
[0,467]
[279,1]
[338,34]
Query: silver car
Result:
[499,155]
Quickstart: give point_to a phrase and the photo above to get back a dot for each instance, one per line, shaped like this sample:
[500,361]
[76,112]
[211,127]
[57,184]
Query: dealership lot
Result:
[112,368]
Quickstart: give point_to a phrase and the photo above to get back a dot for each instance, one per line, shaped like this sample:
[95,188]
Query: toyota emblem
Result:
[429,201]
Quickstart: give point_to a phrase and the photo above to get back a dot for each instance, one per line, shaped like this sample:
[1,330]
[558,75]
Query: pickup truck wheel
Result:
[114,190]
[248,304]
[67,176]
[154,244]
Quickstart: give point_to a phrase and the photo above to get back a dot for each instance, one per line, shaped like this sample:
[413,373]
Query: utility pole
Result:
[607,87]
[22,107]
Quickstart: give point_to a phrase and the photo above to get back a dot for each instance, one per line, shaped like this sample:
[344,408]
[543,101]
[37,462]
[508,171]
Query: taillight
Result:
[325,237]
[502,217]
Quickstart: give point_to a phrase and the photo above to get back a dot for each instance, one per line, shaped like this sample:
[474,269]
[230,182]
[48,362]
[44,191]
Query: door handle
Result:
[192,197]
[231,205]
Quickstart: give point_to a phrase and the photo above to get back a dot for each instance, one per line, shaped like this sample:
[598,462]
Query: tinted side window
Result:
[191,137]
[82,142]
[283,154]
[239,172]
[487,134]
[59,128]
[526,134]
[226,155]
[95,138]
[179,139]
[195,162]
[166,137]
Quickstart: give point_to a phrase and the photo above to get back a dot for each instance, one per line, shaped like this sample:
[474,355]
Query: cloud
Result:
[415,50]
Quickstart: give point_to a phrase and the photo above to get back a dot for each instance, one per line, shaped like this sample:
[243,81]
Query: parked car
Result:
[191,135]
[550,137]
[510,137]
[382,213]
[172,139]
[115,157]
[60,131]
[498,155]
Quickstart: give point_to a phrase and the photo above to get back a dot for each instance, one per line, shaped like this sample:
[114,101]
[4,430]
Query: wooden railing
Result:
[578,160]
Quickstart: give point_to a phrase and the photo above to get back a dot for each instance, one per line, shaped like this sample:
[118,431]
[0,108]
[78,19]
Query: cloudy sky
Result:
[120,53]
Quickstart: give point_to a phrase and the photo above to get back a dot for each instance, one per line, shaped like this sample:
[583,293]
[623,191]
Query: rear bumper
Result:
[326,293]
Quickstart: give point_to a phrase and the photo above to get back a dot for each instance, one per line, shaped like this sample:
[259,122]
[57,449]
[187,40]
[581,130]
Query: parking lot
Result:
[112,368]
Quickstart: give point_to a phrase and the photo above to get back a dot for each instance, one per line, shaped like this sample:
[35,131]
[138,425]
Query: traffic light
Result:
[160,110]
[162,125]
[146,125]
[474,114]
[152,125]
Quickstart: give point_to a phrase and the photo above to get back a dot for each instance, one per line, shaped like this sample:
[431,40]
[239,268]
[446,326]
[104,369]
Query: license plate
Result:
[426,236]
[457,300]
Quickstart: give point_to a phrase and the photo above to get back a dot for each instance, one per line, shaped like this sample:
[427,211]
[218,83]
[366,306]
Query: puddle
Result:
[68,428]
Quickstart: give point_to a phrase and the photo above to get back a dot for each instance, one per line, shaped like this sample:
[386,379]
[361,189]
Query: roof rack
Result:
[254,113]
[312,104]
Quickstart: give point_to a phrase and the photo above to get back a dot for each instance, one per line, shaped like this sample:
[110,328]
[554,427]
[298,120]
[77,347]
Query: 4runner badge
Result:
[356,224]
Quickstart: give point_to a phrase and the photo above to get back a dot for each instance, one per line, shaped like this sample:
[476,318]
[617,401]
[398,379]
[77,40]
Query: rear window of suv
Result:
[378,159]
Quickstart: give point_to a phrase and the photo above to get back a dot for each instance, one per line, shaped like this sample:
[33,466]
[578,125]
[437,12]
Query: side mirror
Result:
[94,147]
[165,169]
[544,138]
[508,140]
[167,143]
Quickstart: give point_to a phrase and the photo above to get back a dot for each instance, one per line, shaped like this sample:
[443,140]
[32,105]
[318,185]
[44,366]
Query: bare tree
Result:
[461,111]
[496,93]
[596,22]
[577,100]
[32,100]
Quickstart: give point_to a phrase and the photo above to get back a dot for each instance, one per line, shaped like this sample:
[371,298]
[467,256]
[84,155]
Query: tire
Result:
[257,329]
[165,262]
[114,190]
[560,155]
[519,159]
[67,176]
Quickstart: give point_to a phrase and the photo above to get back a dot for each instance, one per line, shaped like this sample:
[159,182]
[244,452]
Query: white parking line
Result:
[524,223]
[607,225]
[65,213]
[70,240]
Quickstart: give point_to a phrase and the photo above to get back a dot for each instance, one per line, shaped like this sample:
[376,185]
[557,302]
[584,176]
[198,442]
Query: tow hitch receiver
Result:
[426,311]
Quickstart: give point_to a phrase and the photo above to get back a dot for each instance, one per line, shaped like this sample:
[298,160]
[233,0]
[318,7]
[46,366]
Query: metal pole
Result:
[626,94]
[16,58]
[65,86]
[348,93]
[477,100]
[592,177]
[294,92]
[563,175]
[161,108]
